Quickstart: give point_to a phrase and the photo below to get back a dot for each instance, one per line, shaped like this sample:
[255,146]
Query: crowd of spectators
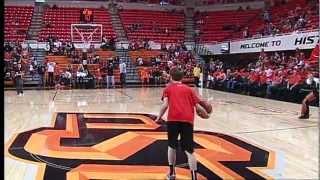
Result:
[161,2]
[67,48]
[15,55]
[139,44]
[298,19]
[18,58]
[273,75]
[155,69]
[273,20]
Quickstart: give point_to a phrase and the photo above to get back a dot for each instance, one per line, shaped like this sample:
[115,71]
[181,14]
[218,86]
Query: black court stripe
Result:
[55,94]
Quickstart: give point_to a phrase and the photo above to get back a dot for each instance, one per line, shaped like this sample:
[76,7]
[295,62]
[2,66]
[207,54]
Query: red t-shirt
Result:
[182,100]
[263,79]
[254,77]
[294,78]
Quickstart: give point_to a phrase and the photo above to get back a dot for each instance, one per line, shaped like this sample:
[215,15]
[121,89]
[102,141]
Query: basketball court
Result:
[110,134]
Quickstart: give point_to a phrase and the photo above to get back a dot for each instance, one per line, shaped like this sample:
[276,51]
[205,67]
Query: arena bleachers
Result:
[211,2]
[17,20]
[153,25]
[220,25]
[63,62]
[146,55]
[58,22]
[281,12]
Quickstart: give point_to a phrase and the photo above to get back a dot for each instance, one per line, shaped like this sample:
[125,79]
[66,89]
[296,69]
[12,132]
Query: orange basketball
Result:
[201,112]
[206,105]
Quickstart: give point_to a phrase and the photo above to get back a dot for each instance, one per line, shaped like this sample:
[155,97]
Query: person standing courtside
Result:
[19,80]
[196,74]
[41,71]
[110,76]
[123,72]
[50,67]
[180,101]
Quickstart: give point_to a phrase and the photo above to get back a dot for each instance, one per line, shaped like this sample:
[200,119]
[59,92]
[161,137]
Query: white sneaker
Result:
[171,177]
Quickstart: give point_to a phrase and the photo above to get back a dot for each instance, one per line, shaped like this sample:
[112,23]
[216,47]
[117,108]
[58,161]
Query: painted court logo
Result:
[130,146]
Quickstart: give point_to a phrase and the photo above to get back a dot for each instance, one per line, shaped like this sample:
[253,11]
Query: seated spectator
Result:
[66,78]
[221,78]
[7,76]
[140,61]
[131,46]
[274,85]
[253,83]
[158,60]
[31,70]
[81,74]
[163,47]
[96,59]
[84,62]
[245,32]
[7,47]
[266,16]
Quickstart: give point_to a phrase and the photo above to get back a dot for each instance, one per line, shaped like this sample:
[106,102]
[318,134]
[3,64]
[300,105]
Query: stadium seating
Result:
[210,2]
[146,55]
[277,12]
[62,63]
[94,69]
[212,29]
[105,54]
[59,22]
[17,20]
[154,19]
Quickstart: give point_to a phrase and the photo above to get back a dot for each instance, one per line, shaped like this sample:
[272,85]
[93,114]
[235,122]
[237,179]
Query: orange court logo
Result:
[130,146]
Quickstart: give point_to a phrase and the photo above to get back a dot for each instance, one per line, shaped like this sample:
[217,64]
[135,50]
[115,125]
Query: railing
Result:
[201,50]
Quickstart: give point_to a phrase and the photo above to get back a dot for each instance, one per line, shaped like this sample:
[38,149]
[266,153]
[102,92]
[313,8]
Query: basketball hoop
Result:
[86,33]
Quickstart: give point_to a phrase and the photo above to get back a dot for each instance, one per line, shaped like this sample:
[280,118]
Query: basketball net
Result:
[86,34]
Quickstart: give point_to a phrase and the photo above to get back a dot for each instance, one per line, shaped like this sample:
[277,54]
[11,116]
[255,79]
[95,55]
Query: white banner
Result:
[39,45]
[216,48]
[154,45]
[304,40]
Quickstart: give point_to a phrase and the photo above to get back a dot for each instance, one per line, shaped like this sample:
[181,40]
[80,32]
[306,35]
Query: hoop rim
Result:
[86,37]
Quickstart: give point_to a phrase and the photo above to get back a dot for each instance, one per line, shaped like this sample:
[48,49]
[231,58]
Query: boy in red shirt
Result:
[181,101]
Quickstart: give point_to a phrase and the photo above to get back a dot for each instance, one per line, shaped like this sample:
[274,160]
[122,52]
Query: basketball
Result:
[206,105]
[201,112]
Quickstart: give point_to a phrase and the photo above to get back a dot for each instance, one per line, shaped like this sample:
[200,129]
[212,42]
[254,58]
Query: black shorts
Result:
[185,130]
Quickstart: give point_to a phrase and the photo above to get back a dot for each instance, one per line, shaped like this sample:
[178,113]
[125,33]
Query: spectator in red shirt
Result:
[274,86]
[253,84]
[221,78]
[180,100]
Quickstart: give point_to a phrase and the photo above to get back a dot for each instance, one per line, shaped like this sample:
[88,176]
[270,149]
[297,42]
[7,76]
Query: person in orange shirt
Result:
[221,78]
[87,15]
[215,75]
[242,80]
[253,83]
[145,76]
